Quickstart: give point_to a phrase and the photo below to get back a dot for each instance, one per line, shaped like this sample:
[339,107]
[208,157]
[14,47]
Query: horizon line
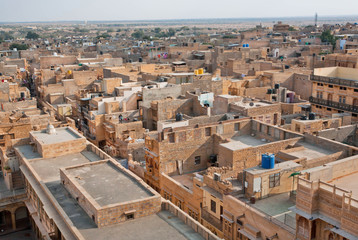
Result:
[181,19]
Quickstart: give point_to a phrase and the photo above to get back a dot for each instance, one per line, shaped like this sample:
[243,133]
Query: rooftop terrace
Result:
[108,184]
[241,142]
[348,182]
[61,135]
[311,151]
[48,168]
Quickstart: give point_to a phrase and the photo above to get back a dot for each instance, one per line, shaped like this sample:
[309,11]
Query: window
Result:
[130,216]
[237,126]
[274,180]
[342,99]
[355,90]
[330,86]
[180,204]
[193,214]
[329,109]
[207,131]
[167,196]
[342,88]
[213,206]
[171,137]
[321,95]
[197,160]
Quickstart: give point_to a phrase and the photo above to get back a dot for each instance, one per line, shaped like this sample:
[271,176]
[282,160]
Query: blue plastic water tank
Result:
[268,161]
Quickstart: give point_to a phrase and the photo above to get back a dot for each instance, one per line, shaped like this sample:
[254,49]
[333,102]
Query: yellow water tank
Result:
[196,72]
[69,72]
[201,71]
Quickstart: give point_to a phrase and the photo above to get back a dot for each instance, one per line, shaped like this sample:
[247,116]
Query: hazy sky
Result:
[54,10]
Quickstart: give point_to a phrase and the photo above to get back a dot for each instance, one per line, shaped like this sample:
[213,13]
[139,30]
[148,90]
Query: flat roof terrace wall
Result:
[109,193]
[64,141]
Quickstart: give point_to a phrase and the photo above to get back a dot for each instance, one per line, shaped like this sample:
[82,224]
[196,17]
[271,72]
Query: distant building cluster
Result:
[186,132]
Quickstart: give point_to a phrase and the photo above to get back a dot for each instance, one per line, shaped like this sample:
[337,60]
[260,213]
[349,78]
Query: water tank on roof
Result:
[179,117]
[312,116]
[277,86]
[269,91]
[268,161]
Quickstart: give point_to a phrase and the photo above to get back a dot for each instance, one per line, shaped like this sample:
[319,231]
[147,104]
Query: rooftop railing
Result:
[337,81]
[337,105]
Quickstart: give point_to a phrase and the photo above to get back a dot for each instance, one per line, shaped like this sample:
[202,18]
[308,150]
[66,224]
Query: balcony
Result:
[206,215]
[337,105]
[337,81]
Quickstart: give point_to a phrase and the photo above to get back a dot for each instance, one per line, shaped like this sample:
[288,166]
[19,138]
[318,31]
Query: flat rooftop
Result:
[311,151]
[287,165]
[48,168]
[108,184]
[348,182]
[251,104]
[161,226]
[186,179]
[277,206]
[337,72]
[242,142]
[62,135]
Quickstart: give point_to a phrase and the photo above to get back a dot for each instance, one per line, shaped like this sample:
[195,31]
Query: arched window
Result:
[331,236]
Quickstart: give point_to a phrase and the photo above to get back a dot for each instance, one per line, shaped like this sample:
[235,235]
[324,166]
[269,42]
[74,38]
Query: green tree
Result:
[171,32]
[18,46]
[5,36]
[328,37]
[139,34]
[32,35]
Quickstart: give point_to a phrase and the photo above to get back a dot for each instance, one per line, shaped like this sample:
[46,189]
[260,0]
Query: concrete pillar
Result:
[13,220]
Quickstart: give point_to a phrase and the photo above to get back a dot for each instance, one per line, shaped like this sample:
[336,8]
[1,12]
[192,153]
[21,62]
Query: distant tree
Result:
[5,36]
[110,30]
[185,28]
[104,35]
[328,37]
[157,30]
[291,29]
[139,34]
[119,30]
[18,46]
[171,32]
[32,35]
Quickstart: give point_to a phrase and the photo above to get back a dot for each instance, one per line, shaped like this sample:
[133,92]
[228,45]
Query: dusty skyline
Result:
[66,10]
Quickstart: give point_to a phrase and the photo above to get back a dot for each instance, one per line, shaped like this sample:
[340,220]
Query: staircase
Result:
[17,181]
